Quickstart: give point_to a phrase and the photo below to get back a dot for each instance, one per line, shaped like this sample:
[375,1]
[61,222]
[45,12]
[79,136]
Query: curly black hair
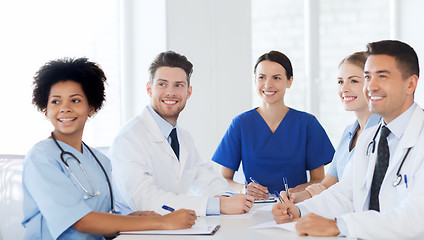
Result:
[80,70]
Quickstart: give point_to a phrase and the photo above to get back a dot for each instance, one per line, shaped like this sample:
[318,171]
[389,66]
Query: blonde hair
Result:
[357,59]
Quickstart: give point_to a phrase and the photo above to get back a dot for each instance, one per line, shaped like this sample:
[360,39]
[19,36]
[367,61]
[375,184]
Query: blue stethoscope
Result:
[93,192]
[371,149]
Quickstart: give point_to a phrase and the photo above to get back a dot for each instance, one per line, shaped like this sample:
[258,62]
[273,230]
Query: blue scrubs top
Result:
[298,144]
[53,200]
[343,154]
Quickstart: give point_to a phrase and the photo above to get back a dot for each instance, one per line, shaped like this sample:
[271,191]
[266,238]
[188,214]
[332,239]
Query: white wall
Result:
[143,36]
[215,36]
[412,32]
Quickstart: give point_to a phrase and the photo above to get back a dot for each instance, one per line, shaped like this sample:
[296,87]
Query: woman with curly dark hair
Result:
[67,185]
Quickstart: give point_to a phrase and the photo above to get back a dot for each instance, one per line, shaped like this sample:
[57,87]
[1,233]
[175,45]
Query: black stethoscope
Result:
[93,192]
[371,149]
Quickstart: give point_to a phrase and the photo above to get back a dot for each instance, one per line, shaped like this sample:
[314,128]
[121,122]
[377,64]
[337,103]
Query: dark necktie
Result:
[381,165]
[174,143]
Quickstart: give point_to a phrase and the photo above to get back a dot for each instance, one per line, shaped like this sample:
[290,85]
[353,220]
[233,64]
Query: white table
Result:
[233,228]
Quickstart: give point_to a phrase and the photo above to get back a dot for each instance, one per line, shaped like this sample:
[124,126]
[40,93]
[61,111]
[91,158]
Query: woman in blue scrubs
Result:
[351,82]
[67,185]
[274,141]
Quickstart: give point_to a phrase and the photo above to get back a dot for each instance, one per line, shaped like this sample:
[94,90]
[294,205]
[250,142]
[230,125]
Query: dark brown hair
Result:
[278,57]
[405,55]
[171,59]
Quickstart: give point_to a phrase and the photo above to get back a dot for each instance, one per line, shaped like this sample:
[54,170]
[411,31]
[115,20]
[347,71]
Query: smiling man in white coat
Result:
[381,195]
[155,162]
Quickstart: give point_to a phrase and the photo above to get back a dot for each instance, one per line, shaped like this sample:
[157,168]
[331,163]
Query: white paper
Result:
[267,207]
[197,229]
[290,226]
[237,216]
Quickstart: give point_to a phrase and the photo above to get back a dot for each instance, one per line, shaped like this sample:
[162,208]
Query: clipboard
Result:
[195,230]
[266,200]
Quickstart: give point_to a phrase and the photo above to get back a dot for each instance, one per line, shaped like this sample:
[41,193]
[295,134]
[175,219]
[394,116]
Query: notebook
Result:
[197,229]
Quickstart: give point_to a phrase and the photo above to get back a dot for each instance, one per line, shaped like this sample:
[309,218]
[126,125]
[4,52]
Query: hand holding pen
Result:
[178,219]
[285,211]
[256,190]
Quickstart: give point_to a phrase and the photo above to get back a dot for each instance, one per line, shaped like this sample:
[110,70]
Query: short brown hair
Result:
[171,59]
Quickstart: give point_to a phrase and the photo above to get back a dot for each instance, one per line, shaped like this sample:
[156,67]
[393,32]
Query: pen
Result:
[245,188]
[281,201]
[286,187]
[278,196]
[253,180]
[168,208]
[406,181]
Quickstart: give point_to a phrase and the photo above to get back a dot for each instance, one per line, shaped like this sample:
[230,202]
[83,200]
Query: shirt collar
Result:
[373,120]
[353,129]
[164,126]
[399,124]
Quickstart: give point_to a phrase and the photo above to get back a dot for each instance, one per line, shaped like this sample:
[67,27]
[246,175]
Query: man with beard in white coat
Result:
[381,195]
[155,162]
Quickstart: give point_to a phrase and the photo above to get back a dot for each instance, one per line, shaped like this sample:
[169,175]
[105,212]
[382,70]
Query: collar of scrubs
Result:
[164,126]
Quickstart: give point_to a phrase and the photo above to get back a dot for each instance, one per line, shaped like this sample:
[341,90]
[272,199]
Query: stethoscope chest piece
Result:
[397,180]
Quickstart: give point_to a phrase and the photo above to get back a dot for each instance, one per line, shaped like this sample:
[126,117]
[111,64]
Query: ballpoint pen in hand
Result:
[278,196]
[253,180]
[286,187]
[168,208]
[281,201]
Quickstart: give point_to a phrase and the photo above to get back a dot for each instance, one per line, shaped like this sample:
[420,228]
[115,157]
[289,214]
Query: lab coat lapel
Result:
[157,137]
[184,149]
[365,170]
[409,138]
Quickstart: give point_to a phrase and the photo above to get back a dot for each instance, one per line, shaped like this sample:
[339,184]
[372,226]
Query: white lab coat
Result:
[149,175]
[401,213]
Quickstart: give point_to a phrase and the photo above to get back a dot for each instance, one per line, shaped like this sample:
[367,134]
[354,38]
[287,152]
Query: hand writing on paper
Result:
[257,191]
[179,219]
[314,225]
[286,211]
[236,204]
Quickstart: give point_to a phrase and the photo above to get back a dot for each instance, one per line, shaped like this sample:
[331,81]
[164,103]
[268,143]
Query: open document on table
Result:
[290,226]
[197,229]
